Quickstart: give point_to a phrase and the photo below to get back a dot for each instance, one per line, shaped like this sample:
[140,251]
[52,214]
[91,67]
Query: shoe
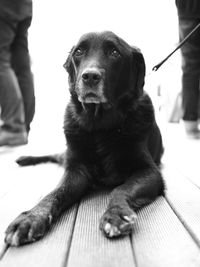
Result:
[191,128]
[12,139]
[193,134]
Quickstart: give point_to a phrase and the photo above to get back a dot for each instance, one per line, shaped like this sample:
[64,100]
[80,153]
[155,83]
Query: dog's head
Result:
[103,68]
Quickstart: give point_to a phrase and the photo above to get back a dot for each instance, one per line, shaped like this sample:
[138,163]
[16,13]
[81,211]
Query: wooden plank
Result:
[184,197]
[190,171]
[181,152]
[51,251]
[89,246]
[159,239]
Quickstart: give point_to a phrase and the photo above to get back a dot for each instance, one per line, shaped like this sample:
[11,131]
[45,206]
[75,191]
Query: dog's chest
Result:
[109,155]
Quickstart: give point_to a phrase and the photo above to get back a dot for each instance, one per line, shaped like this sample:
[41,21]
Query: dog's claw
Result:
[111,230]
[131,218]
[12,239]
[107,227]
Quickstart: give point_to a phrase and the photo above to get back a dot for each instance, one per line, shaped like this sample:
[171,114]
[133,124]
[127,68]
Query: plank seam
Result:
[133,250]
[185,225]
[65,261]
[191,181]
[178,169]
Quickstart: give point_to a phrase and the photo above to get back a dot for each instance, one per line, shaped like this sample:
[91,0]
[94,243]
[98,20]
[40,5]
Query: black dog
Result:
[112,138]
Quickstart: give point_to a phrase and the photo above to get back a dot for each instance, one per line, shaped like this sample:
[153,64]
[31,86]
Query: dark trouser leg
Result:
[12,109]
[191,69]
[190,96]
[21,65]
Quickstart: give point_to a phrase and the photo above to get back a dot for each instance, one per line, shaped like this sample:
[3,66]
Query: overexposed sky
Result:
[149,24]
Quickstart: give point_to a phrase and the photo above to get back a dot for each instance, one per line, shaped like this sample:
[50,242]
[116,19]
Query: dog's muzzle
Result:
[90,87]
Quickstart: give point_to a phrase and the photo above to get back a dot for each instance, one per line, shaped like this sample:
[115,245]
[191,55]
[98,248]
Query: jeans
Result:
[17,99]
[190,52]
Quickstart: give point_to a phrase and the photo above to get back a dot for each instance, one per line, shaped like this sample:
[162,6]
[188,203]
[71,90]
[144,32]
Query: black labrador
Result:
[112,137]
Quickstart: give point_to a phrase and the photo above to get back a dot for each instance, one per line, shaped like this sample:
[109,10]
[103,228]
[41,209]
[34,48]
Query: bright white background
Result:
[149,24]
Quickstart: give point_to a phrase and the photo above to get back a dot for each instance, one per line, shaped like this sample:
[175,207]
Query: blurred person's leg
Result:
[21,65]
[190,76]
[12,131]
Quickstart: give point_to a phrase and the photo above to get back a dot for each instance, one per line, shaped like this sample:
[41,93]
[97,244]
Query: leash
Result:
[156,67]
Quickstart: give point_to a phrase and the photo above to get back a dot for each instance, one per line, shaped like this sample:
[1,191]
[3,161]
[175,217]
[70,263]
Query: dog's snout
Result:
[91,77]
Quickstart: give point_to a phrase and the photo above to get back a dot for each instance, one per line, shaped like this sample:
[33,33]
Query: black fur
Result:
[112,140]
[31,160]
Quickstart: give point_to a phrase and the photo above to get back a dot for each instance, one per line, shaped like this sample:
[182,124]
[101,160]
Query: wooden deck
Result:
[166,234]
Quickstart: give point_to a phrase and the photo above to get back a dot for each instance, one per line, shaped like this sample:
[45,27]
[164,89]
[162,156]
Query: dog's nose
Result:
[91,77]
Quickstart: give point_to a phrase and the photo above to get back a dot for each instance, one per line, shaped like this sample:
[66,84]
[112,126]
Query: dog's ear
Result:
[138,68]
[68,65]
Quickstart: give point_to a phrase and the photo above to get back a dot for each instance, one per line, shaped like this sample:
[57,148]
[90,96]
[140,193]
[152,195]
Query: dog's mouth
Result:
[93,103]
[91,98]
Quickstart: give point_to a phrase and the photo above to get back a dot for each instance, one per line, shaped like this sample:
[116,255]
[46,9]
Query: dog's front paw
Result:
[117,221]
[27,227]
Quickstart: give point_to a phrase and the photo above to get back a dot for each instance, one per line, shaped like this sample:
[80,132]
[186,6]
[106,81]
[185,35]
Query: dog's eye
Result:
[114,53]
[79,52]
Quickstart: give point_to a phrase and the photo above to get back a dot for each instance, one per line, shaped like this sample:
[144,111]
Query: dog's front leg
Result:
[138,190]
[31,225]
